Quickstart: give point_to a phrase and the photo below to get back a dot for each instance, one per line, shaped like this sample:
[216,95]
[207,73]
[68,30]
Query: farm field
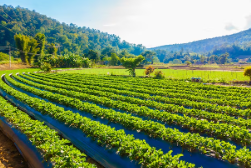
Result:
[112,85]
[171,73]
[121,121]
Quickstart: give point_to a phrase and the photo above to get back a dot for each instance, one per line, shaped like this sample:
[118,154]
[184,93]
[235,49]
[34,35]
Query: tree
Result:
[124,53]
[187,58]
[202,59]
[137,49]
[247,72]
[114,59]
[149,55]
[156,59]
[52,49]
[23,46]
[108,51]
[106,59]
[223,58]
[93,55]
[181,51]
[32,45]
[131,63]
[28,47]
[161,54]
[213,59]
[41,44]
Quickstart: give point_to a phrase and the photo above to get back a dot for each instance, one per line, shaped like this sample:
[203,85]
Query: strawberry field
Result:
[129,122]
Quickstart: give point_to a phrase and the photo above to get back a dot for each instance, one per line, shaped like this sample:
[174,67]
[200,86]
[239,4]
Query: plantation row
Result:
[126,145]
[220,130]
[52,147]
[170,108]
[207,97]
[159,83]
[183,102]
[128,104]
[187,140]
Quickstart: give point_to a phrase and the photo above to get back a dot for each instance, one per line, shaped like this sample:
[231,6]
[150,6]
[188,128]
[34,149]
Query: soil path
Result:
[9,155]
[13,66]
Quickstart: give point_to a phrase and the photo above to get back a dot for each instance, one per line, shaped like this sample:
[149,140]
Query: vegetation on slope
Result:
[242,38]
[71,38]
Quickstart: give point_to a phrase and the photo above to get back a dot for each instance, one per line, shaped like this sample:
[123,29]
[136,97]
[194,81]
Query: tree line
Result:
[104,48]
[32,51]
[181,57]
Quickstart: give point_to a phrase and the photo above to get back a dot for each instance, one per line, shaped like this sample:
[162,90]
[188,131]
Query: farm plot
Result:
[135,122]
[206,75]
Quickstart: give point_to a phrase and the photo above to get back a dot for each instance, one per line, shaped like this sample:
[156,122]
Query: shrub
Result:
[46,67]
[223,81]
[149,70]
[159,75]
[247,72]
[4,57]
[188,63]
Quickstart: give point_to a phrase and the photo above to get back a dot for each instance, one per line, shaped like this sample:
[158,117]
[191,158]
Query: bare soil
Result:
[221,68]
[13,66]
[226,85]
[9,155]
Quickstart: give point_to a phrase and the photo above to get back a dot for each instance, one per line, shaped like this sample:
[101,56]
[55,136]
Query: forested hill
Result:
[242,38]
[71,38]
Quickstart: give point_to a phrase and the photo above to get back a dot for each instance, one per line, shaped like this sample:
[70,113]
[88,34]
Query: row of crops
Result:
[129,122]
[53,148]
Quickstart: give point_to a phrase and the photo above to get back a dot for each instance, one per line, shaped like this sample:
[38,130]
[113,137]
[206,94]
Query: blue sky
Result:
[149,22]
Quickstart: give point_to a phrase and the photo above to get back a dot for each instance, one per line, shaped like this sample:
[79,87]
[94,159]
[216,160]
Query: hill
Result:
[71,38]
[242,38]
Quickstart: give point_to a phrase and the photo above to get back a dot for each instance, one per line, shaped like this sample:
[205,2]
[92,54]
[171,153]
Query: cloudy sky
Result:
[149,22]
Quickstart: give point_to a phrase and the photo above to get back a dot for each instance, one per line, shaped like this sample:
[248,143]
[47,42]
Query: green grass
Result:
[13,61]
[7,62]
[24,70]
[170,73]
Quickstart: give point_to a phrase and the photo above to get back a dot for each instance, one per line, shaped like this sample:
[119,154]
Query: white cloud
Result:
[161,22]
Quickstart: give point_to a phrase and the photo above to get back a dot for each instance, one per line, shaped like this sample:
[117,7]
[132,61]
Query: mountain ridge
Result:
[206,45]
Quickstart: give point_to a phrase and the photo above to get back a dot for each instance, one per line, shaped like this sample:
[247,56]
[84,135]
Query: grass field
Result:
[225,76]
[170,73]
